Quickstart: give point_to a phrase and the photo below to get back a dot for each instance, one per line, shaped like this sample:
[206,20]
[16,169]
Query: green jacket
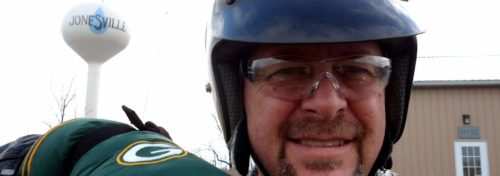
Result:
[98,147]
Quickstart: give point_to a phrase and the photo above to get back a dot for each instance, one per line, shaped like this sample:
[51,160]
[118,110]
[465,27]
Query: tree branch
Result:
[63,100]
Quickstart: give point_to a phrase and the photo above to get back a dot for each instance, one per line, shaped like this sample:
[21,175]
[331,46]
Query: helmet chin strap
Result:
[383,160]
[242,150]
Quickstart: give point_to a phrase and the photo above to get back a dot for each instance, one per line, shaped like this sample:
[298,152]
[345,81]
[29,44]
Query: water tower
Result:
[96,33]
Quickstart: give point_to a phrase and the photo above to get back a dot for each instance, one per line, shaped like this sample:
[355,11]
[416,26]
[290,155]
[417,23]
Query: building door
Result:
[471,158]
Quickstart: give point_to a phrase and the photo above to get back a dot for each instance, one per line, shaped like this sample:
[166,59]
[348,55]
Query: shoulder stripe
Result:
[26,169]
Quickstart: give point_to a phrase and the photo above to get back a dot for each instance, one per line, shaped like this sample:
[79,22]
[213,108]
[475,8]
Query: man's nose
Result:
[325,98]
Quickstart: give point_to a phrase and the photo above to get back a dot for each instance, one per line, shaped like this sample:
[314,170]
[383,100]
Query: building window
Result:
[471,158]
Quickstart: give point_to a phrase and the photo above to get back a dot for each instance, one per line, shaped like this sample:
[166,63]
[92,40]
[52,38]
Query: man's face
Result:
[324,133]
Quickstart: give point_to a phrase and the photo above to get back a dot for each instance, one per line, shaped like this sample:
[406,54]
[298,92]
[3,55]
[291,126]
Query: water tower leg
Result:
[92,90]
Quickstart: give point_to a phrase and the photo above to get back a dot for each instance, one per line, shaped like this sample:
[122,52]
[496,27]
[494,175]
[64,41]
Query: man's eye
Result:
[354,73]
[353,70]
[289,73]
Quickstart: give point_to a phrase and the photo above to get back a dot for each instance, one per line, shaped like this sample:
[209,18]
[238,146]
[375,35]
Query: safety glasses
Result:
[291,77]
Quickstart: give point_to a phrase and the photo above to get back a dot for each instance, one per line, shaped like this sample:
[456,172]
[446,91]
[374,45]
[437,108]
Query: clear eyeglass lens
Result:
[293,77]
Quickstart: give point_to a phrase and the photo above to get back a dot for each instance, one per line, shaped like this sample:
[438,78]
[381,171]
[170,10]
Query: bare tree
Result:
[63,98]
[217,157]
[213,154]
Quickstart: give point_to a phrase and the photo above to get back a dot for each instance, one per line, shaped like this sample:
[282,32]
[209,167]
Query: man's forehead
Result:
[319,50]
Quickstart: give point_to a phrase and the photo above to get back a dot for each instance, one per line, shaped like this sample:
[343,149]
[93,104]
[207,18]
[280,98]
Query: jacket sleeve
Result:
[97,147]
[12,153]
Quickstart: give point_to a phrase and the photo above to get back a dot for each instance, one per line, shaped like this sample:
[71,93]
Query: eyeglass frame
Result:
[385,71]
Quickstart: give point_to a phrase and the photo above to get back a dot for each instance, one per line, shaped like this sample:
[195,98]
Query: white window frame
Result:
[483,152]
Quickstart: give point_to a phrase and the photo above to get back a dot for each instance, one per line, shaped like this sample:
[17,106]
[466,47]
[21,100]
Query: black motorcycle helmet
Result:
[238,26]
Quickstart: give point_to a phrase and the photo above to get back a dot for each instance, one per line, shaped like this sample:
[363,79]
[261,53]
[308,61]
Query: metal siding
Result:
[494,134]
[434,115]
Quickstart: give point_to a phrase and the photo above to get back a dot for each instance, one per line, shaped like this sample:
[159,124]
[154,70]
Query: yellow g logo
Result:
[146,152]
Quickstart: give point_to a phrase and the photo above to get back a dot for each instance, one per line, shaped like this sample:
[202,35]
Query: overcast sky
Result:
[163,71]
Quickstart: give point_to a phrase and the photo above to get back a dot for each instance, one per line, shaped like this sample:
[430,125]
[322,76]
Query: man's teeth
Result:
[314,143]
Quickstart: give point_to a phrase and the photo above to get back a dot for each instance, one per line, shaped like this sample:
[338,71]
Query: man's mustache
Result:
[312,126]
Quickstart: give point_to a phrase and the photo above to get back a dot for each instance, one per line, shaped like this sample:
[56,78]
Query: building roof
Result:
[479,67]
[457,83]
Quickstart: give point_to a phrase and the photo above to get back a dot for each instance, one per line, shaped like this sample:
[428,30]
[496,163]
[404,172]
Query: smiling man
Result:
[317,87]
[309,107]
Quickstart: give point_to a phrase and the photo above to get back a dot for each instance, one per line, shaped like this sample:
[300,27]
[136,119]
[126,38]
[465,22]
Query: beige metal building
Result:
[453,128]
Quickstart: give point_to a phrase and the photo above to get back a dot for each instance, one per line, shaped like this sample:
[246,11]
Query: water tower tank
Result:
[97,34]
